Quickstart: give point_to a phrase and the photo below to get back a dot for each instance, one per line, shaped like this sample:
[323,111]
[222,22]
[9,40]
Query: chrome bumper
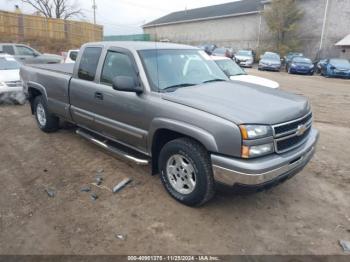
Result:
[231,171]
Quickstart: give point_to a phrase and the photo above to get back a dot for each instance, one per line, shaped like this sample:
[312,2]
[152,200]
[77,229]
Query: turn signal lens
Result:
[256,151]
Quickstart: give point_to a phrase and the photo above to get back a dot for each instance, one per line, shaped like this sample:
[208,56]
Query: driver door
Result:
[25,54]
[121,115]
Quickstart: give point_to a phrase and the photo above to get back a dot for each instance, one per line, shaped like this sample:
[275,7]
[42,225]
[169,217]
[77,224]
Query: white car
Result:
[11,89]
[236,73]
[71,56]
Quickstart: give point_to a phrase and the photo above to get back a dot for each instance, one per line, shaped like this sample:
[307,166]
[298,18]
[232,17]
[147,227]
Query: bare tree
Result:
[62,9]
[282,18]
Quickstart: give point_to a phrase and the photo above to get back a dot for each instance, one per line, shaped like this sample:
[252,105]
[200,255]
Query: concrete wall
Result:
[242,31]
[238,32]
[337,26]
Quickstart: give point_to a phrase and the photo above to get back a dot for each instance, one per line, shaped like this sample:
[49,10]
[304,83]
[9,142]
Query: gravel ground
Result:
[308,214]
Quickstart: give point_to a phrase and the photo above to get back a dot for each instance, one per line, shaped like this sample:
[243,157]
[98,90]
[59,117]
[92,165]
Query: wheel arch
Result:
[35,90]
[165,130]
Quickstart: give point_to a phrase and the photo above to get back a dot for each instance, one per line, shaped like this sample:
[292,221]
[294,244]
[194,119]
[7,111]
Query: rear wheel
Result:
[186,172]
[46,121]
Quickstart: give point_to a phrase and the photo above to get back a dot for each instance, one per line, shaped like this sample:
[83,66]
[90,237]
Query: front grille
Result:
[13,83]
[292,142]
[292,134]
[292,126]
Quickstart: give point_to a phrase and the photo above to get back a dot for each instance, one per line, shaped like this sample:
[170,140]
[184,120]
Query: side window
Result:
[23,50]
[116,64]
[8,49]
[88,63]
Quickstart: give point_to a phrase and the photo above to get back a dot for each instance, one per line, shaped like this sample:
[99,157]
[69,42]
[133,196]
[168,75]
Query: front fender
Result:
[199,134]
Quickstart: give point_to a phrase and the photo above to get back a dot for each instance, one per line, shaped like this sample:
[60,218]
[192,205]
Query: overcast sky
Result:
[124,16]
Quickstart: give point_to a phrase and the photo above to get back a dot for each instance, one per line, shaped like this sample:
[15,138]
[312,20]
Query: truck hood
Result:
[255,80]
[242,103]
[9,75]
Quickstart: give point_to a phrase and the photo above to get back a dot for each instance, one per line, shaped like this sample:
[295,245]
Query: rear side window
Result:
[116,64]
[8,49]
[88,63]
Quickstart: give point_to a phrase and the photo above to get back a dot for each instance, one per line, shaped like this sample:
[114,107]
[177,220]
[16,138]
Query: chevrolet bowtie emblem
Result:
[301,130]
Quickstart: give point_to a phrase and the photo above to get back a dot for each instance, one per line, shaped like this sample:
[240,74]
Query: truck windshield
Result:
[8,63]
[167,69]
[230,67]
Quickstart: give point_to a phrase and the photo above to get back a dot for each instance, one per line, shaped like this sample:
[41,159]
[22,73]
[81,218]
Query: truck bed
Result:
[59,68]
[53,80]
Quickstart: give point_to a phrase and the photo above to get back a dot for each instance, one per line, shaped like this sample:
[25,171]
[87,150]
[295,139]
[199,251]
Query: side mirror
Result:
[126,84]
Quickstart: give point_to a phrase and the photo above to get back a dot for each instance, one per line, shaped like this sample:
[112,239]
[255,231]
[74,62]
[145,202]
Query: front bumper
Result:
[270,67]
[261,171]
[339,74]
[245,63]
[301,70]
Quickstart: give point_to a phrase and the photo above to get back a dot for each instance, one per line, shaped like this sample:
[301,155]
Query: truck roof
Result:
[140,45]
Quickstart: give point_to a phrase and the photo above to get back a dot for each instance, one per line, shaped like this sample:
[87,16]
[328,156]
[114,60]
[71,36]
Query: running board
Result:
[106,144]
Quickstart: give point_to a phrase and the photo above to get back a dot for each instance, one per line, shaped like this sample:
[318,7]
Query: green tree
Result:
[282,17]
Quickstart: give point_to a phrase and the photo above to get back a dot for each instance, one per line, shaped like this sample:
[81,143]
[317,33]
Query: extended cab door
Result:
[121,115]
[84,92]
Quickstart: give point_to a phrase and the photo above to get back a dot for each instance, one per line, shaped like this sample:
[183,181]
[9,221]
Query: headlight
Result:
[294,65]
[256,151]
[2,83]
[255,131]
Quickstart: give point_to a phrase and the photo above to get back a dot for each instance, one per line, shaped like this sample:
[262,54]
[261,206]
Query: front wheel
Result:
[46,121]
[186,172]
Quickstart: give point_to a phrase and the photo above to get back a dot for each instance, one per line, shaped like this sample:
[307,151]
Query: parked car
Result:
[270,61]
[290,56]
[336,67]
[318,65]
[11,89]
[170,105]
[236,73]
[28,55]
[300,65]
[223,52]
[71,56]
[245,58]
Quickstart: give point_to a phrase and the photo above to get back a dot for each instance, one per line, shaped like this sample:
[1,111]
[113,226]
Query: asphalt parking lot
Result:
[308,214]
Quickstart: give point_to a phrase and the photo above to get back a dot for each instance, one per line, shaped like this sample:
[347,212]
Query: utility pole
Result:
[324,25]
[94,7]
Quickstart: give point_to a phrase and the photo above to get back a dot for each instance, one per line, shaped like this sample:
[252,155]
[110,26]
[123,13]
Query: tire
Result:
[45,120]
[185,156]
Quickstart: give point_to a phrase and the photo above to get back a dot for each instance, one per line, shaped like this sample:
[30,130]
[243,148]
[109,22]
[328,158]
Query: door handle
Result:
[99,95]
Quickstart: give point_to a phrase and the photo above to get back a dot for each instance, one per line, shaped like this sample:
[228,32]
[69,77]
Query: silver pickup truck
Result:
[171,106]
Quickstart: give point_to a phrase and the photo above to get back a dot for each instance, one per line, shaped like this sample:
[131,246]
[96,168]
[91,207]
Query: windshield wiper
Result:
[214,80]
[174,87]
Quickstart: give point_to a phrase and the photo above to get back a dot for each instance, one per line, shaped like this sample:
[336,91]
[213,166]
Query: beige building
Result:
[240,25]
